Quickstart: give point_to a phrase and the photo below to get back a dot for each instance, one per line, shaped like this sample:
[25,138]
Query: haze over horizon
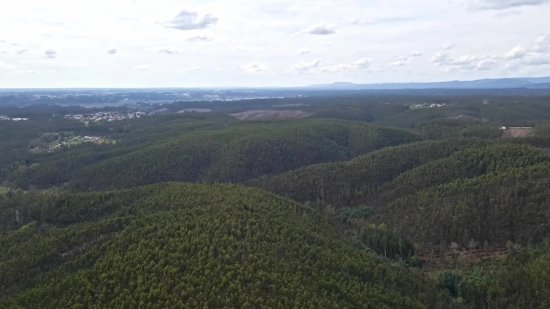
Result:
[144,43]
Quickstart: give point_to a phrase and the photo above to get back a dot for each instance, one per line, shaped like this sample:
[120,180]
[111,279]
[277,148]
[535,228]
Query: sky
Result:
[259,43]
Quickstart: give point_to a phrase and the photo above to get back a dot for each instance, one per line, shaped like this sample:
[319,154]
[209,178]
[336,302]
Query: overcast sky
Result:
[215,43]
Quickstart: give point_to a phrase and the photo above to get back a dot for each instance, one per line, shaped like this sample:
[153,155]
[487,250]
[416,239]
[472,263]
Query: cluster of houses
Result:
[105,116]
[428,105]
[6,118]
[92,138]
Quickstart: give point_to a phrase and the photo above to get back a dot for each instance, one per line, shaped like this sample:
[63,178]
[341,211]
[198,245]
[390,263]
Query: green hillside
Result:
[436,193]
[356,181]
[232,153]
[488,210]
[189,246]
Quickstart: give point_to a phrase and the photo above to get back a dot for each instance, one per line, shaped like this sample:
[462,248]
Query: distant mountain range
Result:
[500,83]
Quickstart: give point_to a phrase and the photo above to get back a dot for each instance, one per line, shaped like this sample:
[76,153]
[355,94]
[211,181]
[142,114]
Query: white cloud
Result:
[405,59]
[317,29]
[168,50]
[304,67]
[361,64]
[538,53]
[28,72]
[360,21]
[504,4]
[187,20]
[303,51]
[247,48]
[254,67]
[142,67]
[464,62]
[536,59]
[448,47]
[485,64]
[111,51]
[199,38]
[21,51]
[191,69]
[542,44]
[50,53]
[517,52]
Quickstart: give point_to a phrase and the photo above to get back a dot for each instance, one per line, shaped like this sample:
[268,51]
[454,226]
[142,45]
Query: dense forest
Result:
[198,246]
[372,201]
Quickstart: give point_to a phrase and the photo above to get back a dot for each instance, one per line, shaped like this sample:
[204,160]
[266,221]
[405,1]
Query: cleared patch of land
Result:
[517,132]
[270,114]
[196,110]
[464,117]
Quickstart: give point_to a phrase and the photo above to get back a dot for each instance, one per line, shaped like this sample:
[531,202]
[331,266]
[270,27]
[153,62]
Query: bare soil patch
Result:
[270,114]
[517,132]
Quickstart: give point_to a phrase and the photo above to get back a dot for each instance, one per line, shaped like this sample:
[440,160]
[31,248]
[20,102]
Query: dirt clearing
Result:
[517,132]
[270,114]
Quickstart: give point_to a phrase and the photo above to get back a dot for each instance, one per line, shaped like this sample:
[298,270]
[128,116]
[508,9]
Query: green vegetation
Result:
[239,152]
[197,246]
[436,193]
[335,211]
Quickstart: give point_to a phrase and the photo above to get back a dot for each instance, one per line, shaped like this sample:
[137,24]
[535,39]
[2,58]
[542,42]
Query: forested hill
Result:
[189,246]
[436,193]
[235,153]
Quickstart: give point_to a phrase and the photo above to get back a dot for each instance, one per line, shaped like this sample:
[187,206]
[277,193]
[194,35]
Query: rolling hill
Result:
[234,153]
[190,246]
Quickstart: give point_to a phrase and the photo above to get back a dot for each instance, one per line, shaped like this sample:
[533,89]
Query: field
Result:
[270,114]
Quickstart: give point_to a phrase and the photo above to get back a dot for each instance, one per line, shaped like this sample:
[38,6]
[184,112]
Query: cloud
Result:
[304,67]
[504,4]
[463,62]
[536,59]
[405,59]
[187,20]
[361,64]
[142,67]
[360,21]
[111,51]
[448,47]
[4,65]
[199,38]
[254,67]
[303,51]
[318,29]
[168,50]
[537,53]
[485,64]
[247,48]
[50,53]
[28,72]
[21,51]
[542,44]
[186,70]
[516,53]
